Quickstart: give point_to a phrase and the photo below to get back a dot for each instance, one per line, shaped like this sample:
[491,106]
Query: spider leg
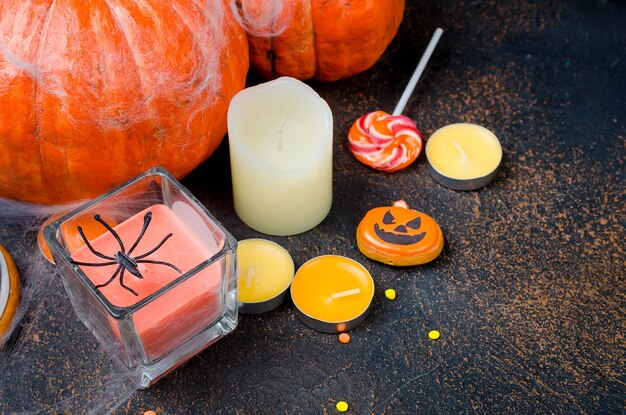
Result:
[93,264]
[96,253]
[146,221]
[110,229]
[150,261]
[126,286]
[117,271]
[155,248]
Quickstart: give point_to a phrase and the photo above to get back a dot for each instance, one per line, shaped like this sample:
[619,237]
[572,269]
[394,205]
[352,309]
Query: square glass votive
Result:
[149,271]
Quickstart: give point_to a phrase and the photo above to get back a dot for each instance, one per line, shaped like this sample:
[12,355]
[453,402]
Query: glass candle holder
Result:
[153,274]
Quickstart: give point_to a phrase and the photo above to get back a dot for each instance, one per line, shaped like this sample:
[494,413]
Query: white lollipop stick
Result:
[418,72]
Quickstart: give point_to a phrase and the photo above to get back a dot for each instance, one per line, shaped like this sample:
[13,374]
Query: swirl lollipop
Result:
[390,142]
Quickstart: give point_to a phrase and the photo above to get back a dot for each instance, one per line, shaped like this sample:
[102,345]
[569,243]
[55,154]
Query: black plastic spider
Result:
[123,258]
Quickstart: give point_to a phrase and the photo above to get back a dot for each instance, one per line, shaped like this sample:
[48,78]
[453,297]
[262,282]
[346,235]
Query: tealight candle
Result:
[332,293]
[9,291]
[463,156]
[280,135]
[265,271]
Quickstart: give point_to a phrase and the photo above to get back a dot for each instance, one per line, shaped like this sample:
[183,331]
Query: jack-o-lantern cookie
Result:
[9,290]
[397,235]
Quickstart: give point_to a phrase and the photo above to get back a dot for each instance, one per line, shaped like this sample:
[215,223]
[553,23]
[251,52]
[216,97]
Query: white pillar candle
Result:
[280,135]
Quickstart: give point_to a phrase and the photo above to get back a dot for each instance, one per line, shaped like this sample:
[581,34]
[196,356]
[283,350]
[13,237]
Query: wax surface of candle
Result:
[280,135]
[332,289]
[181,311]
[9,290]
[464,151]
[265,270]
[5,285]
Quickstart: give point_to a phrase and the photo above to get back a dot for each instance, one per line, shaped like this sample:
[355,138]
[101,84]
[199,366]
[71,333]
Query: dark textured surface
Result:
[529,293]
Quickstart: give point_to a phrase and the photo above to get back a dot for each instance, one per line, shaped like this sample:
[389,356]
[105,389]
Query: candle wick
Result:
[251,273]
[346,293]
[274,134]
[281,133]
[460,149]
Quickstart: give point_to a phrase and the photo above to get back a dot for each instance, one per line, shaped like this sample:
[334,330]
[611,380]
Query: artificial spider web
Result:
[123,258]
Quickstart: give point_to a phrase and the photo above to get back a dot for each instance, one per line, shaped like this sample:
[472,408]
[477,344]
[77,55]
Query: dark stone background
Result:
[529,293]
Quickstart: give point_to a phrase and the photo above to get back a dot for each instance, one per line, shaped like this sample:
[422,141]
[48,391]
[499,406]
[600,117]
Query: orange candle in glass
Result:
[176,316]
[156,282]
[332,293]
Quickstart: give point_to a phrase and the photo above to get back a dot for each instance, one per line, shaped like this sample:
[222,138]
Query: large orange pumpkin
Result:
[324,39]
[93,92]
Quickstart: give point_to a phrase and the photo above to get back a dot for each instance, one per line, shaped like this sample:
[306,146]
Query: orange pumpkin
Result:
[326,40]
[397,235]
[96,92]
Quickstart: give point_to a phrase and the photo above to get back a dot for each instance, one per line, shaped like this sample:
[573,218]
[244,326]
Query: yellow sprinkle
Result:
[433,334]
[390,293]
[342,406]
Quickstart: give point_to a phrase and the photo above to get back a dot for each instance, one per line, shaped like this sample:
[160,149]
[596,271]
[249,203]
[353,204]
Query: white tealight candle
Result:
[280,135]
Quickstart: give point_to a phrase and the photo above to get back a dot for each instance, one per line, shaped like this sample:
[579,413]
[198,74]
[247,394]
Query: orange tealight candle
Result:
[332,293]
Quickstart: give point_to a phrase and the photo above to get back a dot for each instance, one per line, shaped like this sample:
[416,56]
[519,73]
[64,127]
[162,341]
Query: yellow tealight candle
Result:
[332,293]
[265,271]
[463,156]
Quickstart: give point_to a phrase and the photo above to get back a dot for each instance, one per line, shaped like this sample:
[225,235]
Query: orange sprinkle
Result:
[149,413]
[344,338]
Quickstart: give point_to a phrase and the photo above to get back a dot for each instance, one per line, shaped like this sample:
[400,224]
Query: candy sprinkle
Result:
[342,406]
[433,334]
[149,413]
[390,293]
[344,338]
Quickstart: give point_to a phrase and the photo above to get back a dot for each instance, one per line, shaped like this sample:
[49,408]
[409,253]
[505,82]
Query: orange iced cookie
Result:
[385,142]
[397,235]
[9,290]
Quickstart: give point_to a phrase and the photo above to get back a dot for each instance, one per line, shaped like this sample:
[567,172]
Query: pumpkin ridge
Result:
[129,45]
[314,34]
[36,131]
[272,55]
[45,184]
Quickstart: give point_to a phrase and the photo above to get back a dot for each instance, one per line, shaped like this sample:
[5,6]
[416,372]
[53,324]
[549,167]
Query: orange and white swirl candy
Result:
[385,142]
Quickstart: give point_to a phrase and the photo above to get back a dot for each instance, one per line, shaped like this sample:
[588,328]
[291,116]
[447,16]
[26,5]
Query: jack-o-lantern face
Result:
[397,235]
[402,234]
